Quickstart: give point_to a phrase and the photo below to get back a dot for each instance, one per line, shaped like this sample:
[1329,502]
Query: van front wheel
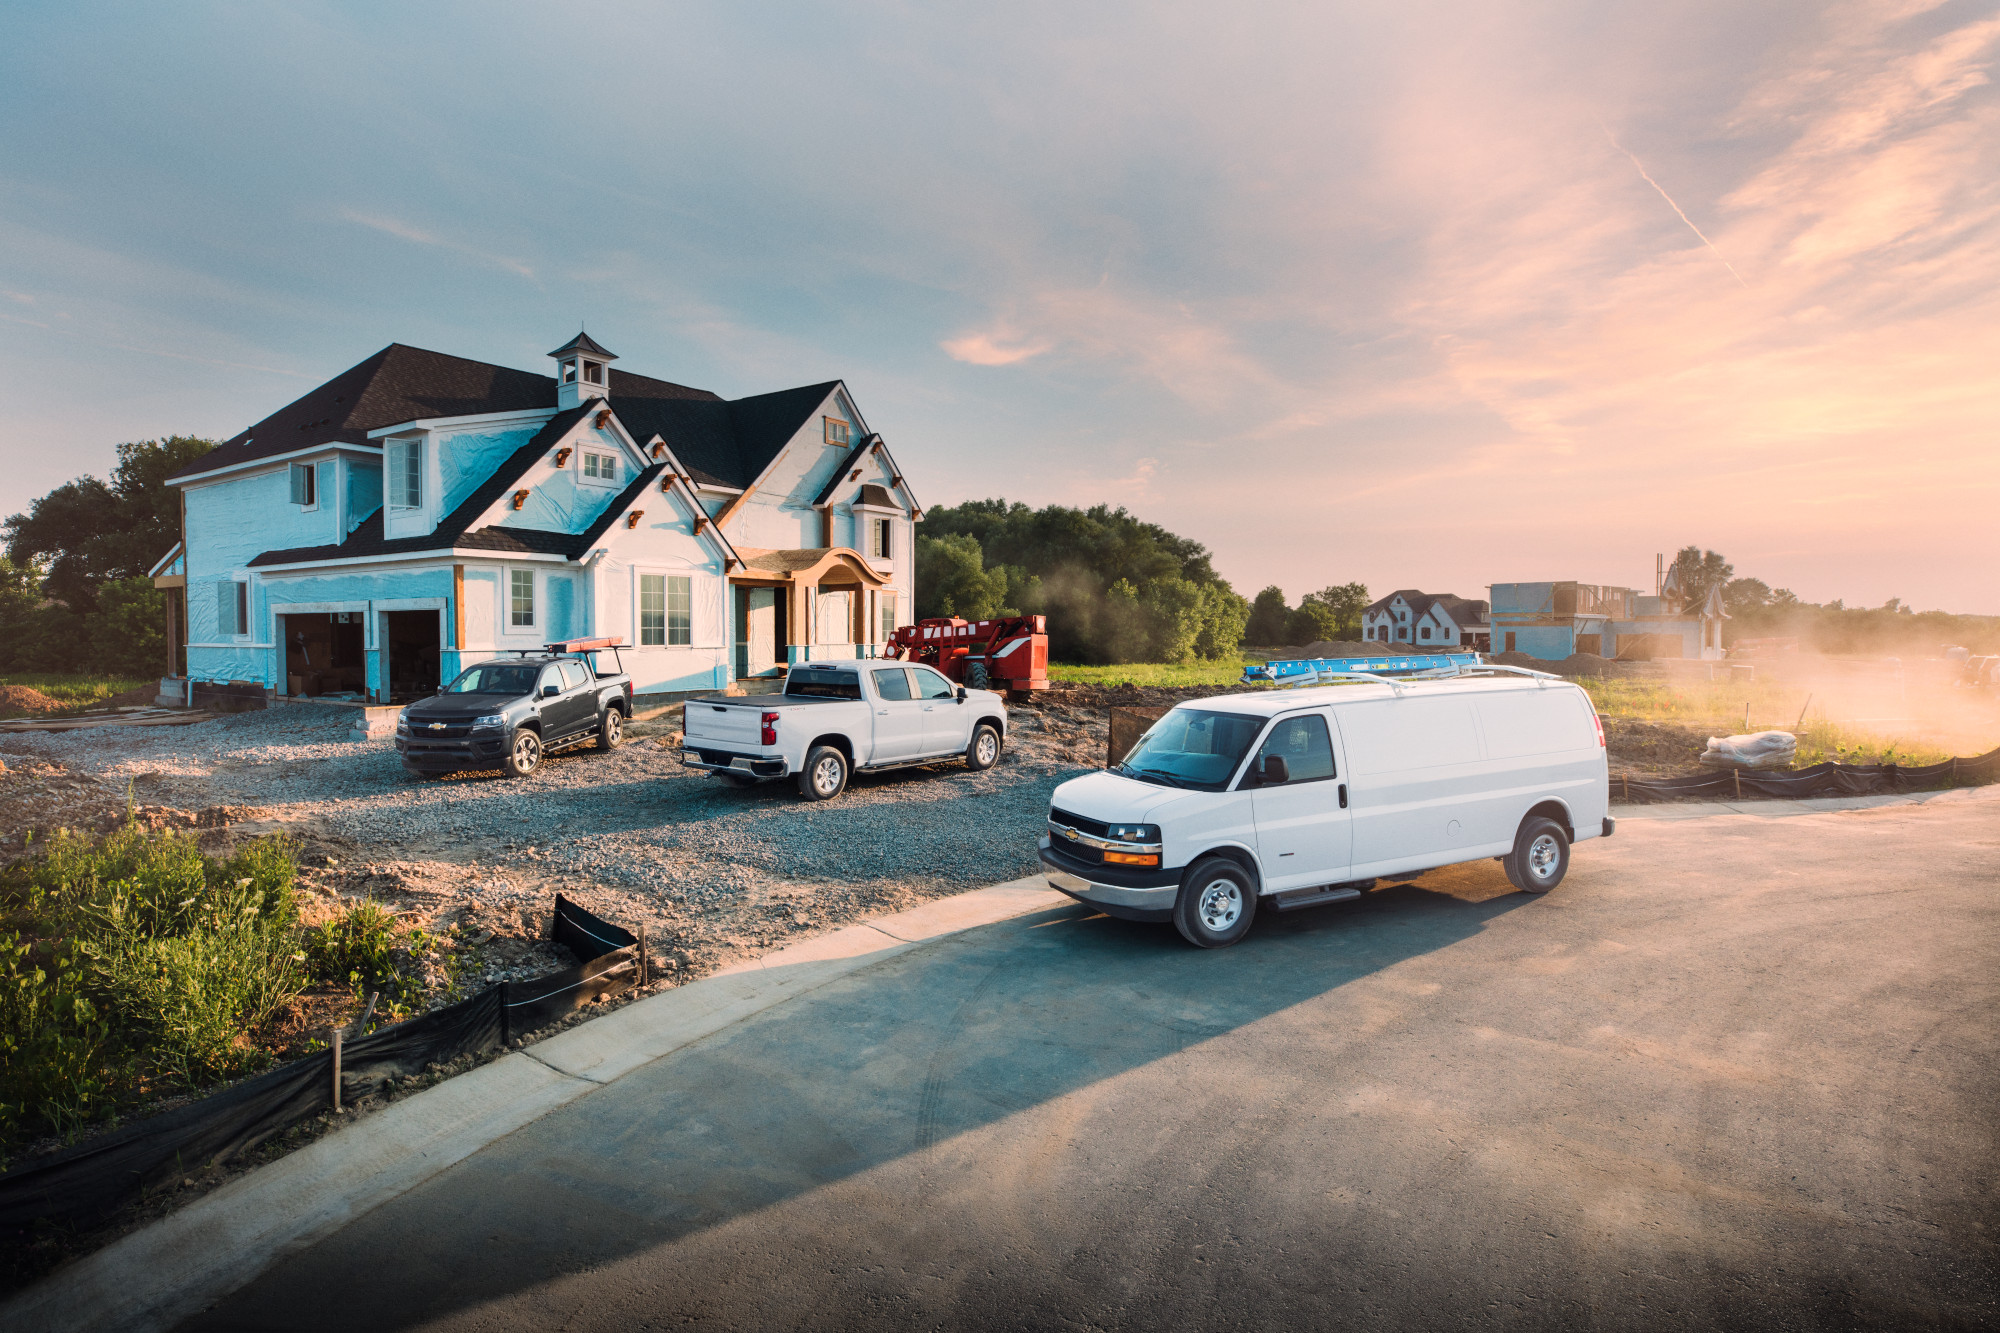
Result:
[1540,857]
[1215,904]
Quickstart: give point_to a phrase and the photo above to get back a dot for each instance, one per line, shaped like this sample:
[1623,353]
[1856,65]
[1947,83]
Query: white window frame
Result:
[881,538]
[398,466]
[639,610]
[586,479]
[888,621]
[515,626]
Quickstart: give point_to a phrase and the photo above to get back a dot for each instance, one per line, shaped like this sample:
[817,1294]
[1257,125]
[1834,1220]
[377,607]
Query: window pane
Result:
[521,584]
[242,608]
[652,610]
[930,685]
[888,615]
[225,608]
[680,610]
[892,683]
[1303,741]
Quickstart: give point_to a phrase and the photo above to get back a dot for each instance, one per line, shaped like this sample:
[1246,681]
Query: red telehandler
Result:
[1011,653]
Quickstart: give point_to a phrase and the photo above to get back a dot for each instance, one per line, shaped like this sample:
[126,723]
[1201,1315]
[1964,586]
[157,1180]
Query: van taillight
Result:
[1598,722]
[770,736]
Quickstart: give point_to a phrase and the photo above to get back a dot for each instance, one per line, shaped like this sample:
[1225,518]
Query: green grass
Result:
[1718,707]
[1171,675]
[133,967]
[73,692]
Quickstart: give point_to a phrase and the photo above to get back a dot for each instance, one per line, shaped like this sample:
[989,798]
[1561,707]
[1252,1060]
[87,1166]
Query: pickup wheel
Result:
[1216,903]
[1540,857]
[525,756]
[825,774]
[611,730]
[984,752]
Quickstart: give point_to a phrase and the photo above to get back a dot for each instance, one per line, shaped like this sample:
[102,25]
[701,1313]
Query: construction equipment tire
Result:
[976,677]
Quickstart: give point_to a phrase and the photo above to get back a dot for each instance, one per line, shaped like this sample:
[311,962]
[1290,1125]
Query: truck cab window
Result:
[1304,744]
[574,676]
[932,685]
[892,683]
[550,676]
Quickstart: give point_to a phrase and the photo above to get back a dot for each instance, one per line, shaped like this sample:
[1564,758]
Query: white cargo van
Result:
[1301,797]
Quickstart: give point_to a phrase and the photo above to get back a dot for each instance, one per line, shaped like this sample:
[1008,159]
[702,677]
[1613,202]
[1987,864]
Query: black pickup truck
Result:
[509,712]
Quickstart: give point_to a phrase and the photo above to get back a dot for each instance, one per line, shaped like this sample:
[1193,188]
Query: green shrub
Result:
[361,950]
[144,967]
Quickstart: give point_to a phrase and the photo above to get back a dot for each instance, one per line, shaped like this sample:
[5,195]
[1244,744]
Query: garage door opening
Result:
[411,641]
[323,654]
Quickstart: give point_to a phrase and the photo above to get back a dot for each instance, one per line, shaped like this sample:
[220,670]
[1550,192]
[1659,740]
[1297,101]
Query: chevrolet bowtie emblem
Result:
[437,726]
[1070,833]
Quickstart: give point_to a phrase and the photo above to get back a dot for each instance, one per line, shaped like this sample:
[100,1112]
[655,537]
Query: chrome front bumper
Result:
[1134,902]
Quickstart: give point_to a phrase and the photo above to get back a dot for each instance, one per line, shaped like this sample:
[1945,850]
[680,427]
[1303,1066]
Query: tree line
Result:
[74,591]
[1115,588]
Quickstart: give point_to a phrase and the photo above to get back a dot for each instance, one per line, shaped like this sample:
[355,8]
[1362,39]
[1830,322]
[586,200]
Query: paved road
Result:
[1735,1073]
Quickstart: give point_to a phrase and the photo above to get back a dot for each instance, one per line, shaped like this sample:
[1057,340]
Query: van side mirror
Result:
[1276,771]
[550,691]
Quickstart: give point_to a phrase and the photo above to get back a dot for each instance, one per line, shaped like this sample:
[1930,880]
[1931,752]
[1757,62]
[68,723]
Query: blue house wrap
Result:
[419,512]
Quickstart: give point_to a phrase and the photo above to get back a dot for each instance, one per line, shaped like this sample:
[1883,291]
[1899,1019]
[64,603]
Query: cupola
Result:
[583,371]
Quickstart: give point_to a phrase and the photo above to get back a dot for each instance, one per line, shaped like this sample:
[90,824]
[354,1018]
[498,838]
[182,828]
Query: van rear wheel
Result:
[1215,905]
[1540,857]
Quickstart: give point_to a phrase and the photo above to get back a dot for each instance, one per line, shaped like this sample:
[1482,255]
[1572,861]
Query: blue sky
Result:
[1432,296]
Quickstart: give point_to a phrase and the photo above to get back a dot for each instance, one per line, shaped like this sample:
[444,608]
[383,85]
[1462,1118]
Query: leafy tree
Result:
[1115,588]
[127,634]
[89,531]
[1695,573]
[952,579]
[1739,595]
[1270,616]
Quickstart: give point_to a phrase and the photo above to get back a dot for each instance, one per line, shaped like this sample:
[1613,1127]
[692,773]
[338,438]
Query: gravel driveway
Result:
[714,871]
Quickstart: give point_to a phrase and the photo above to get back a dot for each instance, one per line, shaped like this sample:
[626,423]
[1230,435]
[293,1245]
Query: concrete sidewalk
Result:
[161,1274]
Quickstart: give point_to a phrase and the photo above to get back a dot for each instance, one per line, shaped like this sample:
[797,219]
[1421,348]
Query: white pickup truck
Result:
[838,718]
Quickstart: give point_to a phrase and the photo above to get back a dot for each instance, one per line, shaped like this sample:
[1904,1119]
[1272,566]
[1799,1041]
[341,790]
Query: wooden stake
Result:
[336,1069]
[642,953]
[1802,713]
[1736,776]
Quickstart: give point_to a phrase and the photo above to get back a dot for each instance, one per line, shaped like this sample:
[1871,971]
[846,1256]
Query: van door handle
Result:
[1343,795]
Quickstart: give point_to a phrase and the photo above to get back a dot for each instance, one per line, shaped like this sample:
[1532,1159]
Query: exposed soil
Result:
[26,699]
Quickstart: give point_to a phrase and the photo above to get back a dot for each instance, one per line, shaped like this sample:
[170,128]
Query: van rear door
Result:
[1303,829]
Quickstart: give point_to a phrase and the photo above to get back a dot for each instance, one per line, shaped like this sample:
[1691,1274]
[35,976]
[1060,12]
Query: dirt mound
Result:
[24,699]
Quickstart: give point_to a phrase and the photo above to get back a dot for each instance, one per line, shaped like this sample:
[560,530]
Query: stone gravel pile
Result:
[712,870]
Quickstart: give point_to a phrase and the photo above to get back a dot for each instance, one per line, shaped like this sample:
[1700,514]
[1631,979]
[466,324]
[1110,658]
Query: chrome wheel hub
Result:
[987,749]
[527,751]
[826,777]
[614,725]
[1543,853]
[1220,905]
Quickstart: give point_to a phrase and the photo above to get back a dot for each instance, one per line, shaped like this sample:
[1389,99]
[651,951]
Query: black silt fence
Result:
[88,1184]
[1818,780]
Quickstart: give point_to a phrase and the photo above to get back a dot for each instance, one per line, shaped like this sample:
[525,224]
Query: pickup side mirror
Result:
[550,691]
[1276,771]
[961,694]
[440,689]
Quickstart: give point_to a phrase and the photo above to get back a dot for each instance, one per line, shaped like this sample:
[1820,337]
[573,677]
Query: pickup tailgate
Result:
[730,726]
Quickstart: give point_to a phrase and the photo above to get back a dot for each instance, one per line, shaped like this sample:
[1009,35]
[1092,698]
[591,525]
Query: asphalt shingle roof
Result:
[400,384]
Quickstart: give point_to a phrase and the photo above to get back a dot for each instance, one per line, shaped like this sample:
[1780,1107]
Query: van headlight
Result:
[489,722]
[1146,833]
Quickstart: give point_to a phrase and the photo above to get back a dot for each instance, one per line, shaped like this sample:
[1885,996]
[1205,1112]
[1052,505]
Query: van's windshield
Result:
[1189,748]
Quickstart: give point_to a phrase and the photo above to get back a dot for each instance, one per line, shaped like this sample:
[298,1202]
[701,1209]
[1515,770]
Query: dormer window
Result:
[403,469]
[600,467]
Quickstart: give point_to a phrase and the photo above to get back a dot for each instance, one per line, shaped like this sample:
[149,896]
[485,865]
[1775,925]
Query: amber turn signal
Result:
[1133,858]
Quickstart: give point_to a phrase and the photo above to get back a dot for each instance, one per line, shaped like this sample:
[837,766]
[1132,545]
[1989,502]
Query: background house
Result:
[1426,619]
[1553,620]
[421,510]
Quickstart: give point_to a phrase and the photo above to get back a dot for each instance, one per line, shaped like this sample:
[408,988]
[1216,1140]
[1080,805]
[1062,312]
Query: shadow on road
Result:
[884,1063]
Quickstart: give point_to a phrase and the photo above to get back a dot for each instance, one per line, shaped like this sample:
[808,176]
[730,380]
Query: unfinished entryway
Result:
[324,653]
[411,643]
